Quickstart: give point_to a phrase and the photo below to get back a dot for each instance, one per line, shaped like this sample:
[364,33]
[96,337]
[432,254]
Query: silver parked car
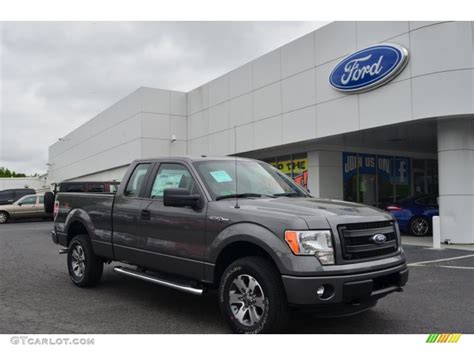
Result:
[29,206]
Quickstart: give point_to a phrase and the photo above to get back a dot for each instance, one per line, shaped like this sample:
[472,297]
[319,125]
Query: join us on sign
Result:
[369,68]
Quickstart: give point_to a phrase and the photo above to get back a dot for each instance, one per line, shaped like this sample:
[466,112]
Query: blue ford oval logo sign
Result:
[379,238]
[369,68]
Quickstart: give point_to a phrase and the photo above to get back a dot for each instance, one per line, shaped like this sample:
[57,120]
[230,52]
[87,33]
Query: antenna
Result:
[236,174]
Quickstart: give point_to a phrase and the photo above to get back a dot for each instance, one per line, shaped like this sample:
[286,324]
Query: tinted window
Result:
[28,200]
[96,188]
[172,176]
[41,200]
[74,188]
[136,180]
[21,193]
[7,195]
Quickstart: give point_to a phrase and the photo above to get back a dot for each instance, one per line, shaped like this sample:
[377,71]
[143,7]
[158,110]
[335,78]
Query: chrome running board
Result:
[147,277]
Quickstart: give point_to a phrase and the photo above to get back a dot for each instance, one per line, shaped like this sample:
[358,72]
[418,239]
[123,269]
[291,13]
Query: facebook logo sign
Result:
[401,171]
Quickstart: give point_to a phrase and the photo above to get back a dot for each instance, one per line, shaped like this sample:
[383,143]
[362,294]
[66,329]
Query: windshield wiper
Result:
[244,195]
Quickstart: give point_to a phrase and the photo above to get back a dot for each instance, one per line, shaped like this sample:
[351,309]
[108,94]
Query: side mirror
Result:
[19,203]
[180,197]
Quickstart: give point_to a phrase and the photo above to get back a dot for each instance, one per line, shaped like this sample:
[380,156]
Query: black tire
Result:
[273,317]
[92,266]
[420,226]
[4,217]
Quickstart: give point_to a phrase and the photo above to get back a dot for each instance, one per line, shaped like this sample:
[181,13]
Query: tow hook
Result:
[62,250]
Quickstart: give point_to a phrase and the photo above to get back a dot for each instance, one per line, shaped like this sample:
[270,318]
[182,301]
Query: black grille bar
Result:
[357,240]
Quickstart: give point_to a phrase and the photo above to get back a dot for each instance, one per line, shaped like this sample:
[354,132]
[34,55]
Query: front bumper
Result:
[346,289]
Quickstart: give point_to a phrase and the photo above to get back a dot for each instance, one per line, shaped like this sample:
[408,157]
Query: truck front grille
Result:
[357,240]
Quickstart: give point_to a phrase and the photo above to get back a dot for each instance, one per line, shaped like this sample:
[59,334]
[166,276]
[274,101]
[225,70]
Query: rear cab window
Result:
[136,181]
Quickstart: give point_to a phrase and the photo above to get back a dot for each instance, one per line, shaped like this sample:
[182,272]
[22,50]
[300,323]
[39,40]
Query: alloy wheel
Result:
[420,226]
[246,300]
[78,259]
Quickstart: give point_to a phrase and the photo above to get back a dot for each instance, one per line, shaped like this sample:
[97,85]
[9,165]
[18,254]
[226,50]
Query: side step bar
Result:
[146,277]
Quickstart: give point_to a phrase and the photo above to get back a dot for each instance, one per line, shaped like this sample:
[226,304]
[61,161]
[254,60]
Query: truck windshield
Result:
[254,179]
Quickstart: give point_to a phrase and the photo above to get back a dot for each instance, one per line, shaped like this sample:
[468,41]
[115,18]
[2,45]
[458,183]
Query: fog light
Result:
[320,291]
[325,292]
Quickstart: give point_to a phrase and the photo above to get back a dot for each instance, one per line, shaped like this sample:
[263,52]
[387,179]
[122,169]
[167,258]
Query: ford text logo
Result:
[379,238]
[369,68]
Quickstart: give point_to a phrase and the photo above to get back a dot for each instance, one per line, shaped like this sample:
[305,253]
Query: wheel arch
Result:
[237,250]
[78,222]
[240,240]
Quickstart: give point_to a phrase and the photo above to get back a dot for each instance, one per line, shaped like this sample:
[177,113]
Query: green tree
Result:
[5,172]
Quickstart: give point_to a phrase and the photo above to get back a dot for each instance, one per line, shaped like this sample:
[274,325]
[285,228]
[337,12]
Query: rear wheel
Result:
[420,226]
[252,298]
[3,217]
[85,268]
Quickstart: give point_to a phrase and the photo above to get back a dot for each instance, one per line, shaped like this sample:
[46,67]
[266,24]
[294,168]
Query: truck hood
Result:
[313,210]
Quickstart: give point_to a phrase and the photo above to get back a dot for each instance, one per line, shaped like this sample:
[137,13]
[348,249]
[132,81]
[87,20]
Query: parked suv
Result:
[239,226]
[9,196]
[29,206]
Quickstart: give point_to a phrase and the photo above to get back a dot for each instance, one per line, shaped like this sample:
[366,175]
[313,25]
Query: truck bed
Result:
[93,207]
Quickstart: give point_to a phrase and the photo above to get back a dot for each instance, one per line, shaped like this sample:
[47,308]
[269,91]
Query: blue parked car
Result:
[414,214]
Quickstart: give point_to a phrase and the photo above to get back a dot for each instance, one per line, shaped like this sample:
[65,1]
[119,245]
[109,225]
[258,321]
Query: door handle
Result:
[145,214]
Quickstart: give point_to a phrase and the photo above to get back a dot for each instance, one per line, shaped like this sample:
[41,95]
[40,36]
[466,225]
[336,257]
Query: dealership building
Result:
[370,112]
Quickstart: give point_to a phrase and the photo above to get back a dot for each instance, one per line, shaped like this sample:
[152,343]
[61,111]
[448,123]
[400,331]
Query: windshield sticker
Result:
[221,176]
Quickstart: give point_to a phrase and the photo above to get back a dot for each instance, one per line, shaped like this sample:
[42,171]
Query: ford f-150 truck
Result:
[236,225]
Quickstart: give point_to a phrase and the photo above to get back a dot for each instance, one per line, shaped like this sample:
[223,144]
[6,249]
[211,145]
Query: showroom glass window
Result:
[379,180]
[294,166]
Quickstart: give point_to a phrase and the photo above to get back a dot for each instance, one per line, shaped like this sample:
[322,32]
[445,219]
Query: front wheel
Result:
[420,227]
[3,217]
[252,298]
[85,268]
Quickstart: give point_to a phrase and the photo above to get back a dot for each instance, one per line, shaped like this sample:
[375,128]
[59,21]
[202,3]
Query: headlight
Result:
[317,243]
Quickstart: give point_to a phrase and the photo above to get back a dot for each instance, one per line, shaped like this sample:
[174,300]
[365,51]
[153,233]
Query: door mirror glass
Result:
[180,197]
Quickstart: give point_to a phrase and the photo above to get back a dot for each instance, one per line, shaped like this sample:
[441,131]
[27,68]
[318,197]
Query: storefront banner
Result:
[298,166]
[402,172]
[393,169]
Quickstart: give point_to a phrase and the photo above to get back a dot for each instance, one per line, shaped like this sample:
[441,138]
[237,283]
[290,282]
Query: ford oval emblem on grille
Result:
[379,238]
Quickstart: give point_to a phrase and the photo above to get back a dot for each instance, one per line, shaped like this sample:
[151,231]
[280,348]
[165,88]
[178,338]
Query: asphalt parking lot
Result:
[36,296]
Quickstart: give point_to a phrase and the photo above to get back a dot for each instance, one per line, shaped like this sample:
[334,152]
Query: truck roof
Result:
[194,158]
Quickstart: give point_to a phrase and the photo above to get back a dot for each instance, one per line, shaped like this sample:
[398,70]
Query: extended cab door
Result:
[128,206]
[173,236]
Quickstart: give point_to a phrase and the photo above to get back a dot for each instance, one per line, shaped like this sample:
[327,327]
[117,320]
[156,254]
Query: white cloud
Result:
[57,75]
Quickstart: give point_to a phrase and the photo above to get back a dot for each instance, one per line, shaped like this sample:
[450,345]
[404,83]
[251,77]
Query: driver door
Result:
[173,236]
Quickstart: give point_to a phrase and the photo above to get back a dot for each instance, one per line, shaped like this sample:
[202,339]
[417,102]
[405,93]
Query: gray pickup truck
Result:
[236,225]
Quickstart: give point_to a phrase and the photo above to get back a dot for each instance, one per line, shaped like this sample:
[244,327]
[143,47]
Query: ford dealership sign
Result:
[369,68]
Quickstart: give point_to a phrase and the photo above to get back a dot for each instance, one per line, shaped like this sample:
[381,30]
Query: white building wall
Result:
[140,125]
[37,183]
[285,97]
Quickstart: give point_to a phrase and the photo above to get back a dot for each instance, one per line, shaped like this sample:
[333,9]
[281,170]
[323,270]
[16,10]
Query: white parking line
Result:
[458,267]
[421,263]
